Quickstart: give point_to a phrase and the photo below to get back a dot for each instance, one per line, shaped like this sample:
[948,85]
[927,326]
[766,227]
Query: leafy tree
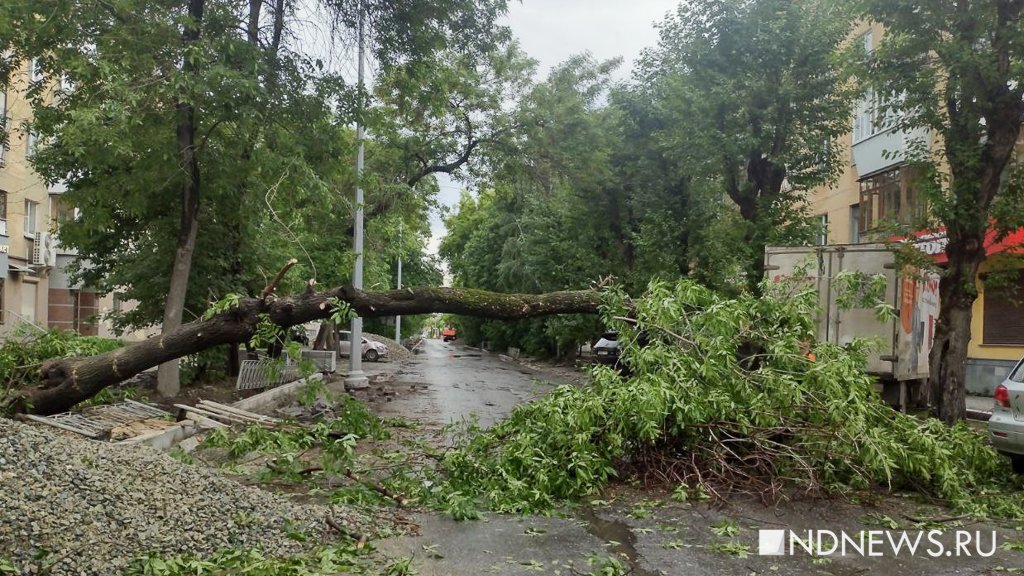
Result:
[555,218]
[174,101]
[957,70]
[751,98]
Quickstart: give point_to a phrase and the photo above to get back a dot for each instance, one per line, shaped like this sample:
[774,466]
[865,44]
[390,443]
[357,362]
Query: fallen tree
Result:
[724,399]
[66,382]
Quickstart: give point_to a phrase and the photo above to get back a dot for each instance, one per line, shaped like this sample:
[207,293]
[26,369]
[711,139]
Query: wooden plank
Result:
[218,416]
[232,410]
[203,421]
[242,416]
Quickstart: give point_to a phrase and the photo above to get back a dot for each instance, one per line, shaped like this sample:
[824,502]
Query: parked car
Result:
[372,349]
[606,349]
[1006,427]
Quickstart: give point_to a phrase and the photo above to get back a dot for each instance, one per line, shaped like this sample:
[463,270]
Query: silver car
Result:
[372,349]
[1006,427]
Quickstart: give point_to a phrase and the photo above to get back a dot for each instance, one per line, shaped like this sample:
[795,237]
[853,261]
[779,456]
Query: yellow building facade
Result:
[875,186]
[24,213]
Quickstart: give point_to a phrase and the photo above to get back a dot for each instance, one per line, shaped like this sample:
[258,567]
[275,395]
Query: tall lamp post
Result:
[398,318]
[356,378]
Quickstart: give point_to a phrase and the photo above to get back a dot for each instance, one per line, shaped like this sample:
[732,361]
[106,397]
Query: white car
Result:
[372,350]
[1006,426]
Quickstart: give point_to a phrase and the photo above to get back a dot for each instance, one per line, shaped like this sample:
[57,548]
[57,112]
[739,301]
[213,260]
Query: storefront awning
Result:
[933,243]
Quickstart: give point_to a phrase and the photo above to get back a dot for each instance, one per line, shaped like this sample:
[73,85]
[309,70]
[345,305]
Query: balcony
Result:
[876,143]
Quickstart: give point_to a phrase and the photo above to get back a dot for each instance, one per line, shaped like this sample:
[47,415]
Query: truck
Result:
[900,360]
[448,334]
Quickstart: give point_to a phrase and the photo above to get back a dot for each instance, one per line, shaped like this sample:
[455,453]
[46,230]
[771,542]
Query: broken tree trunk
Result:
[66,382]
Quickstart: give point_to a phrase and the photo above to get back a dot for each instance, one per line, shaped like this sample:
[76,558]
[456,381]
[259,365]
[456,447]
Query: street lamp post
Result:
[356,378]
[398,318]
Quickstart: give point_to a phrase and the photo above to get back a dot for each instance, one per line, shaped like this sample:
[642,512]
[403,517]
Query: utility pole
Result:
[398,319]
[356,379]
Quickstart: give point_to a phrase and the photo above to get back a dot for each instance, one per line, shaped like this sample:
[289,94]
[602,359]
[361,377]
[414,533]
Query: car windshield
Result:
[613,336]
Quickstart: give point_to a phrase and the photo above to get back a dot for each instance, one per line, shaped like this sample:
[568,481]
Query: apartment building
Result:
[34,290]
[877,186]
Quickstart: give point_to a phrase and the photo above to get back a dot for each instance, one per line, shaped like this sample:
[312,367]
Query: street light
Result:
[356,379]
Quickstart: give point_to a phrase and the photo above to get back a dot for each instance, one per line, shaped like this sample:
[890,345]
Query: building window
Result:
[1003,317]
[3,213]
[31,142]
[31,214]
[822,229]
[3,128]
[35,70]
[889,197]
[868,41]
[62,211]
[3,311]
[870,117]
[855,224]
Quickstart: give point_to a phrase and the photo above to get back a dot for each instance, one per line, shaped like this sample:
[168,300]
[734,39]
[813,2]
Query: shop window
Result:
[1003,316]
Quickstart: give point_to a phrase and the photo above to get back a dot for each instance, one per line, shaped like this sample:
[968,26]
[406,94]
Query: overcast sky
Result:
[551,31]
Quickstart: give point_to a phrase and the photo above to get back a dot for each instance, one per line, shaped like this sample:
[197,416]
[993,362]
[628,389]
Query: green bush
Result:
[723,398]
[22,356]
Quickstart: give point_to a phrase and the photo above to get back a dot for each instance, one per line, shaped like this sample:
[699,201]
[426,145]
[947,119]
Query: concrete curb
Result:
[276,396]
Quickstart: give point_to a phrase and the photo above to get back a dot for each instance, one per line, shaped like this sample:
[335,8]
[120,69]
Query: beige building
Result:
[34,291]
[877,186]
[23,211]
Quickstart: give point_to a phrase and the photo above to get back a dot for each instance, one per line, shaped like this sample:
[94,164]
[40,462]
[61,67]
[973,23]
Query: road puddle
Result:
[622,541]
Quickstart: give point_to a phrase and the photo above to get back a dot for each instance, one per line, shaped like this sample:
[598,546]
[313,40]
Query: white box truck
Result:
[901,357]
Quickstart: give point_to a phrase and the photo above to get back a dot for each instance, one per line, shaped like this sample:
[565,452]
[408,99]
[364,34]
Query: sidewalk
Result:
[979,403]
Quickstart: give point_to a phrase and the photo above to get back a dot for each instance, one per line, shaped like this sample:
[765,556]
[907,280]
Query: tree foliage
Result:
[723,400]
[955,70]
[686,171]
[273,147]
[752,98]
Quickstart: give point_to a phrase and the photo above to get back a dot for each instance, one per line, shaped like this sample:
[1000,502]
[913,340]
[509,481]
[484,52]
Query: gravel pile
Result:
[95,506]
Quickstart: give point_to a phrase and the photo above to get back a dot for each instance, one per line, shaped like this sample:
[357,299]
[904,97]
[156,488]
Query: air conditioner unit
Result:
[44,250]
[37,249]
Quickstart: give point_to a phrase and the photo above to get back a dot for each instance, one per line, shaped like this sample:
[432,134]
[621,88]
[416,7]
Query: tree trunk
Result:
[947,361]
[66,382]
[174,307]
[234,360]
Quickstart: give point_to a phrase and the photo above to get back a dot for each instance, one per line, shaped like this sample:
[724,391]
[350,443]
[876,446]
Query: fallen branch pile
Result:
[723,399]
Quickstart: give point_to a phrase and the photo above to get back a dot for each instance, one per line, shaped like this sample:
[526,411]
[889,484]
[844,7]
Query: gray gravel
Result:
[91,507]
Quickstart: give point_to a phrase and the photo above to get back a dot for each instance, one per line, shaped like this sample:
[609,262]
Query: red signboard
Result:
[933,243]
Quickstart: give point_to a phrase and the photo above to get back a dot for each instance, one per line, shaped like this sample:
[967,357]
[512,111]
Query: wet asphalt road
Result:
[648,532]
[453,382]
